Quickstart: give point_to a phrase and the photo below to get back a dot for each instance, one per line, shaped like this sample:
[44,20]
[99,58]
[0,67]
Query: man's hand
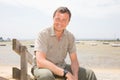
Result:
[69,76]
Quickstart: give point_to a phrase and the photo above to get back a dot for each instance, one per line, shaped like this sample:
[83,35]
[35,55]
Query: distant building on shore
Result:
[1,39]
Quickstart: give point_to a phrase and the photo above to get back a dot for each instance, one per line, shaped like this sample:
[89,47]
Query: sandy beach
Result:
[102,58]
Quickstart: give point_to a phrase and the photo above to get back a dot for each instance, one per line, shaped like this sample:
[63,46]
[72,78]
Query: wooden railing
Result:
[25,57]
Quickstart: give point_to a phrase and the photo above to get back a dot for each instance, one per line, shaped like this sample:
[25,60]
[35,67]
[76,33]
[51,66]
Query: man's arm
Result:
[74,65]
[43,63]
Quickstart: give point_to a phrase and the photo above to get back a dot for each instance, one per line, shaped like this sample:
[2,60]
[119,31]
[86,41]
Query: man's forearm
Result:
[75,69]
[49,65]
[74,65]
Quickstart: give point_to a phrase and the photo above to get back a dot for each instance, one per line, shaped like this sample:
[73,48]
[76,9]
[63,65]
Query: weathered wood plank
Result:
[23,63]
[29,57]
[16,46]
[16,73]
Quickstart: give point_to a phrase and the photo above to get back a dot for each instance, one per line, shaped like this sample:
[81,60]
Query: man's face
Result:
[61,20]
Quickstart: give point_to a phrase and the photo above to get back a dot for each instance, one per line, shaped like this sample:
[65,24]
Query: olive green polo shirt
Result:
[55,50]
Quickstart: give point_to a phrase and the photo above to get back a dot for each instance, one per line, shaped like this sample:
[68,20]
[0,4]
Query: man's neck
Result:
[59,34]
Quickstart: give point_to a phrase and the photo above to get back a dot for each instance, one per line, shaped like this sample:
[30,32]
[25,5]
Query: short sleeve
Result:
[71,45]
[41,42]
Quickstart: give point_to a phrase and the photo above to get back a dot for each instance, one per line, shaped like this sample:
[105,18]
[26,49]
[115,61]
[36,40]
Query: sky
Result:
[91,19]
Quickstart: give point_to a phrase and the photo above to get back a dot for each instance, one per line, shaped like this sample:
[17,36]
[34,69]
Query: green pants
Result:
[45,74]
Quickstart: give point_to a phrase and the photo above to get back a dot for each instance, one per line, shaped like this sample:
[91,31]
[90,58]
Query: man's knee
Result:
[86,74]
[43,74]
[91,75]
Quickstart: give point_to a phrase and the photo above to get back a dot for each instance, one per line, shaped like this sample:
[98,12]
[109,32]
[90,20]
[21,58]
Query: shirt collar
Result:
[53,32]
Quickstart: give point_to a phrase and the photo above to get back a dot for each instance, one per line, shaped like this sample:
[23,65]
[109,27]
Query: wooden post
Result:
[16,73]
[23,63]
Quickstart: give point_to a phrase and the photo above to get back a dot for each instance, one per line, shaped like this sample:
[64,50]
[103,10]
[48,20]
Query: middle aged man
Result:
[51,47]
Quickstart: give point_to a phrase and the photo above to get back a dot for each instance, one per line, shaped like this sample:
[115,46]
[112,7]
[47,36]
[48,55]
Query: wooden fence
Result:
[25,57]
